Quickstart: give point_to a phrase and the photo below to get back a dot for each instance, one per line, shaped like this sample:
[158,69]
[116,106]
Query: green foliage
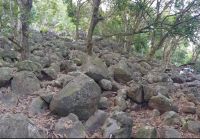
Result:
[197,66]
[7,17]
[51,14]
[140,42]
[180,57]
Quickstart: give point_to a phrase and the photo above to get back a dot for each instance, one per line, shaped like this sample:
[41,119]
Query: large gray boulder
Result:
[80,96]
[140,93]
[95,122]
[135,92]
[70,127]
[44,61]
[169,132]
[25,82]
[177,78]
[154,77]
[194,126]
[29,65]
[110,58]
[122,72]
[118,126]
[17,126]
[37,106]
[146,132]
[76,55]
[95,68]
[161,103]
[5,75]
[171,118]
[8,99]
[105,84]
[52,71]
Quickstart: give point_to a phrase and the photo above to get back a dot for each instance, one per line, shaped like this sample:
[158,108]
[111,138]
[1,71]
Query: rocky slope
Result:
[62,92]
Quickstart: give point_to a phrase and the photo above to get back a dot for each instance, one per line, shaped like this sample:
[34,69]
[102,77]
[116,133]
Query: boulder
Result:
[194,126]
[154,77]
[149,91]
[140,93]
[145,65]
[169,132]
[5,75]
[28,65]
[161,103]
[67,66]
[105,84]
[188,109]
[121,104]
[25,82]
[8,99]
[171,118]
[194,91]
[146,132]
[156,113]
[64,79]
[95,68]
[44,61]
[103,103]
[18,126]
[122,72]
[136,67]
[78,56]
[195,83]
[161,89]
[111,58]
[80,96]
[118,126]
[135,92]
[47,97]
[95,122]
[37,106]
[9,55]
[120,100]
[70,127]
[137,77]
[177,78]
[52,71]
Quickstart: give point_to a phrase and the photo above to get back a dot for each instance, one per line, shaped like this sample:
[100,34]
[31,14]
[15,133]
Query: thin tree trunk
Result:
[3,8]
[195,55]
[77,22]
[11,14]
[25,9]
[94,20]
[170,48]
[156,47]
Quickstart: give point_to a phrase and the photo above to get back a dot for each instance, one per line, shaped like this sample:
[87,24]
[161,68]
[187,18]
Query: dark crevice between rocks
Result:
[45,77]
[144,103]
[7,84]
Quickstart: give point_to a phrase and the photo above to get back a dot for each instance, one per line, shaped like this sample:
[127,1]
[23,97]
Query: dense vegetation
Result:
[164,29]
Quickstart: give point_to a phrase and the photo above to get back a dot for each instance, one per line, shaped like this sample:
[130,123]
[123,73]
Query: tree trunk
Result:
[77,27]
[94,20]
[3,7]
[195,55]
[25,9]
[78,19]
[169,49]
[151,53]
[157,46]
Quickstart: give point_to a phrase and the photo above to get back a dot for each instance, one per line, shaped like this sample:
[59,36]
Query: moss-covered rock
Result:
[80,96]
[146,132]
